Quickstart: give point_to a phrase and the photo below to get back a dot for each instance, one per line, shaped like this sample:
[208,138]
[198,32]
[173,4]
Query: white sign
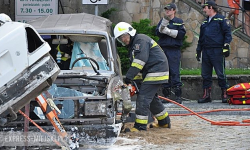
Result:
[27,10]
[94,1]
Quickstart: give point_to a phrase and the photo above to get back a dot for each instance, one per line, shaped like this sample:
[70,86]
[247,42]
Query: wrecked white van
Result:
[26,67]
[88,88]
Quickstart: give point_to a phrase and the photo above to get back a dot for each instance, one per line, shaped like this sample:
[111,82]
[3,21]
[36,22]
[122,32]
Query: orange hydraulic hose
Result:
[55,141]
[222,123]
[209,111]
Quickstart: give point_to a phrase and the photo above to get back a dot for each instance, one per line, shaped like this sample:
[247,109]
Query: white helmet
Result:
[123,27]
[5,18]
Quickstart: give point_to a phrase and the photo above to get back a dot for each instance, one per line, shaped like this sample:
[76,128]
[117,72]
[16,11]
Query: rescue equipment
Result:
[221,123]
[133,88]
[49,107]
[239,94]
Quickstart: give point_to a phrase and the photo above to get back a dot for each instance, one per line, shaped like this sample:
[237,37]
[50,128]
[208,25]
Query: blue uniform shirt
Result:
[214,34]
[168,41]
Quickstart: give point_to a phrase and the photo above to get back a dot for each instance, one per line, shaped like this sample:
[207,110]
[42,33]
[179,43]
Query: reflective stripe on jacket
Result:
[147,57]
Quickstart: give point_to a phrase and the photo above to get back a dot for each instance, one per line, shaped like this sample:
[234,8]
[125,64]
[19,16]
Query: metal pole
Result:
[26,124]
[96,10]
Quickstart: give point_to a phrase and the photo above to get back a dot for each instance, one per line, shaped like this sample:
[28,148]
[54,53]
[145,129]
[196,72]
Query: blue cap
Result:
[210,3]
[170,6]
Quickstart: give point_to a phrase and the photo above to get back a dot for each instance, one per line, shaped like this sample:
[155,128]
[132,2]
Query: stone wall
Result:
[192,86]
[134,10]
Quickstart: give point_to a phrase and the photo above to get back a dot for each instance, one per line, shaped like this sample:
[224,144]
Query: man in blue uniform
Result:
[214,40]
[147,58]
[171,33]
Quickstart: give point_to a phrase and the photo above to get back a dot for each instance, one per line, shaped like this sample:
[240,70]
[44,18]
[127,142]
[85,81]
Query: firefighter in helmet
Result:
[147,58]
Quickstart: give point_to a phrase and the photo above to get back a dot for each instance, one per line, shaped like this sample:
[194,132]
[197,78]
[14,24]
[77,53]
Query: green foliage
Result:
[236,71]
[107,13]
[190,71]
[185,44]
[144,27]
[123,53]
[227,71]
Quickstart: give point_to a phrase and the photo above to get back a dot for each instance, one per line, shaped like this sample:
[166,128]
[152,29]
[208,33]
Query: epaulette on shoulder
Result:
[218,19]
[177,24]
[205,21]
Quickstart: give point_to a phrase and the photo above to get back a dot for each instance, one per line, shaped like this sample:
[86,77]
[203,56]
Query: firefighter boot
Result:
[178,92]
[131,130]
[137,127]
[224,97]
[167,93]
[206,96]
[165,123]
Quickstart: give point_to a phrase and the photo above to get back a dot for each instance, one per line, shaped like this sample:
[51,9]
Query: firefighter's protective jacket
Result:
[148,58]
[214,34]
[168,41]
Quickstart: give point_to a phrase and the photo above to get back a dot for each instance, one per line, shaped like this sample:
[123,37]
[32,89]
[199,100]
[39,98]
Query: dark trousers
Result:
[148,101]
[213,58]
[174,61]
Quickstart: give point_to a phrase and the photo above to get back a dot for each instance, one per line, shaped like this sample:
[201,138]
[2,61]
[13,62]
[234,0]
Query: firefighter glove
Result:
[198,55]
[171,32]
[226,50]
[127,81]
[165,30]
[164,22]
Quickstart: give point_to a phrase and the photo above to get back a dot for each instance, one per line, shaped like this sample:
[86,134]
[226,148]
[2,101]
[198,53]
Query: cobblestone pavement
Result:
[204,136]
[190,132]
[207,136]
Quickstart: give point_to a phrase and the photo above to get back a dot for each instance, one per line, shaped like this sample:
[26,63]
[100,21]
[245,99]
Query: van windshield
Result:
[88,49]
[68,53]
